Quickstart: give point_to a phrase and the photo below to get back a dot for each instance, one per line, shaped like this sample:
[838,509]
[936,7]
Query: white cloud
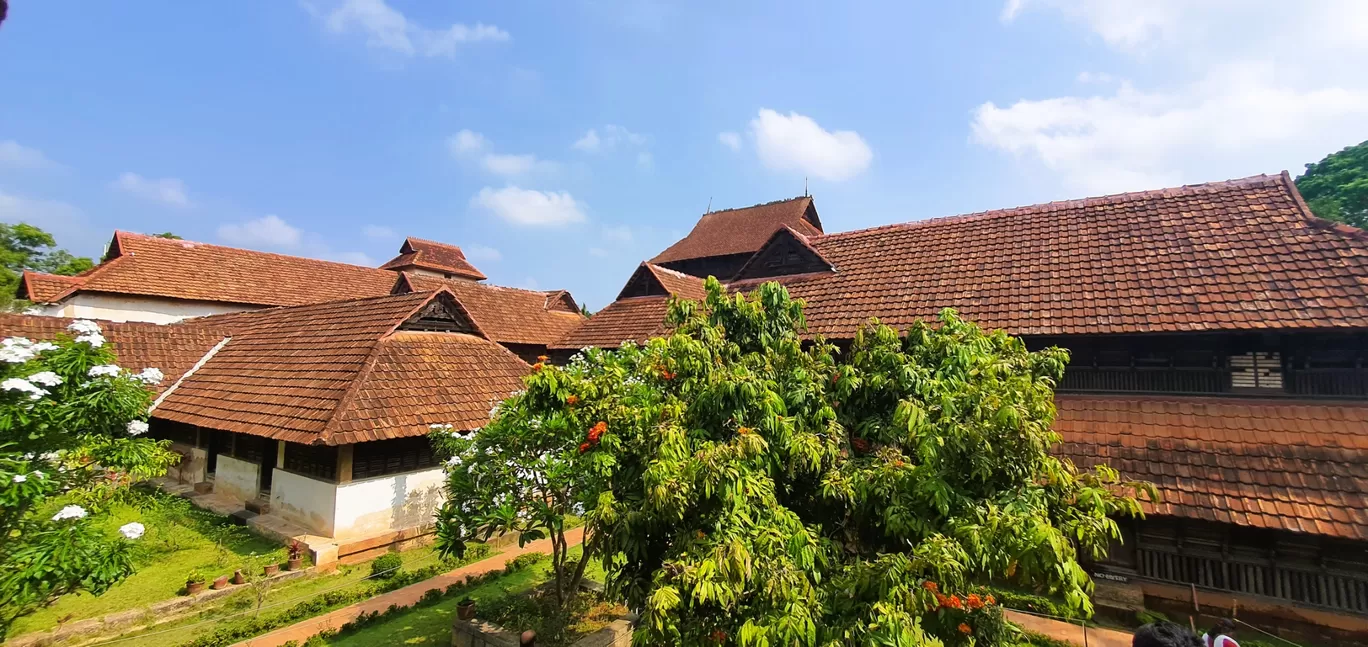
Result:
[378,232]
[794,142]
[529,208]
[482,253]
[645,160]
[730,140]
[66,222]
[387,28]
[466,142]
[611,137]
[267,231]
[515,164]
[619,234]
[589,143]
[14,155]
[166,190]
[1243,93]
[1094,77]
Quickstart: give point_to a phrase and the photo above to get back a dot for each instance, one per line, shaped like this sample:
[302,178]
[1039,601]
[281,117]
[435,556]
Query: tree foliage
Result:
[71,423]
[1336,188]
[25,247]
[746,486]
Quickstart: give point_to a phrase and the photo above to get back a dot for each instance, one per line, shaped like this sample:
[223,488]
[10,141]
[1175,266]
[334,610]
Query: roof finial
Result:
[805,193]
[709,206]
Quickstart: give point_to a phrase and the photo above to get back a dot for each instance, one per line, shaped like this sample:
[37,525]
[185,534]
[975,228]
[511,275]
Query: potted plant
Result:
[465,609]
[296,560]
[270,569]
[194,582]
[220,582]
[238,577]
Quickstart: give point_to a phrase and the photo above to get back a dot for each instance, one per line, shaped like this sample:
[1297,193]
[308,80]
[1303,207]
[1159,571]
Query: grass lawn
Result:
[179,540]
[431,625]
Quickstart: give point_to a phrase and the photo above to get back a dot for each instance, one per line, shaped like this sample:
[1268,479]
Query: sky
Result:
[562,143]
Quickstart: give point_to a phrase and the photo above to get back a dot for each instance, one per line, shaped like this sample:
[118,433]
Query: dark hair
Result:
[1223,627]
[1164,634]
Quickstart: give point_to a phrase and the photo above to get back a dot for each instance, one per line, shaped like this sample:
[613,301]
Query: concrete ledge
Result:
[478,633]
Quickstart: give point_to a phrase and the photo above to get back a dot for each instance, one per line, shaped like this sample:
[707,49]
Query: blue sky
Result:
[561,143]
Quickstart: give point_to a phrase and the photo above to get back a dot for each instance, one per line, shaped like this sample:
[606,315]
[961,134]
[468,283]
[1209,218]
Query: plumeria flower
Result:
[39,474]
[150,376]
[84,327]
[454,461]
[70,512]
[44,346]
[132,530]
[45,378]
[20,478]
[137,427]
[16,350]
[23,386]
[104,370]
[95,340]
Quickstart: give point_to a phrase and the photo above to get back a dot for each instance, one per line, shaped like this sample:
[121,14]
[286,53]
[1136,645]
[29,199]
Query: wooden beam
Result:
[344,463]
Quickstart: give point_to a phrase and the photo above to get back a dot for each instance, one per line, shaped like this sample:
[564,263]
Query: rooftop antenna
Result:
[805,193]
[709,206]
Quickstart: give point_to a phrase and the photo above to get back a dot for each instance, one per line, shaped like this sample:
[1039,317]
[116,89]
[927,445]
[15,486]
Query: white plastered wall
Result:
[305,501]
[237,478]
[112,307]
[387,503]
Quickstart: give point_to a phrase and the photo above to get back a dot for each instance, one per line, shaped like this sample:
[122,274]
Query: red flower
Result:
[719,636]
[542,358]
[973,601]
[584,447]
[955,602]
[667,375]
[835,377]
[965,629]
[596,432]
[538,366]
[571,399]
[990,599]
[930,586]
[860,444]
[942,600]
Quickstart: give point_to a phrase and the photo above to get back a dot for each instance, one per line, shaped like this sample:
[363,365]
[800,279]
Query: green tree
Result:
[1336,188]
[167,234]
[25,247]
[71,425]
[752,487]
[584,310]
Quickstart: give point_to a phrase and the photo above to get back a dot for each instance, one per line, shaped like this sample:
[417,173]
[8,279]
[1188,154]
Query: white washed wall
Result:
[388,503]
[111,307]
[237,478]
[305,501]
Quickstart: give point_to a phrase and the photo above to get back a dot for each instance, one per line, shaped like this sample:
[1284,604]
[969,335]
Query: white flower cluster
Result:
[104,370]
[23,386]
[70,512]
[17,350]
[45,378]
[20,478]
[137,427]
[494,411]
[87,332]
[150,376]
[132,530]
[441,426]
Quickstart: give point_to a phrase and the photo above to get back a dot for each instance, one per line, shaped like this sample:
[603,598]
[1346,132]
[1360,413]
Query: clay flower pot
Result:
[294,563]
[221,582]
[239,578]
[270,569]
[466,609]
[192,588]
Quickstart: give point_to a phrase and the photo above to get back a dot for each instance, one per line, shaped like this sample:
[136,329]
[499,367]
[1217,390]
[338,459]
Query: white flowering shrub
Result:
[72,425]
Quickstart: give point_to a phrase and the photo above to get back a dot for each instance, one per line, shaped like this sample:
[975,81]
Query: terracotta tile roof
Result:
[438,257]
[634,319]
[507,315]
[1235,255]
[42,288]
[742,231]
[425,378]
[172,349]
[179,269]
[1299,466]
[308,374]
[678,283]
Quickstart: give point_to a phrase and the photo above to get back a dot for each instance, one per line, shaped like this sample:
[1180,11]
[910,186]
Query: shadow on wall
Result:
[414,508]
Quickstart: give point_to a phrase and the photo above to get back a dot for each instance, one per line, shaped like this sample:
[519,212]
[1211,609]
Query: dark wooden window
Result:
[252,448]
[384,457]
[319,461]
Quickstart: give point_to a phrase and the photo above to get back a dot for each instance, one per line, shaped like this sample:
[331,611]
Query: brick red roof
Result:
[1296,466]
[507,315]
[1236,255]
[173,350]
[42,288]
[742,231]
[417,253]
[635,319]
[340,372]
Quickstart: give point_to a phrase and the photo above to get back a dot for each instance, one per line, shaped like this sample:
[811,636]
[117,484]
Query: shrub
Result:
[387,566]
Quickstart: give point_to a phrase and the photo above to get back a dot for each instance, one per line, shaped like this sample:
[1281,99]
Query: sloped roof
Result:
[507,315]
[1295,466]
[324,373]
[744,230]
[434,256]
[1237,255]
[180,269]
[172,349]
[44,288]
[639,312]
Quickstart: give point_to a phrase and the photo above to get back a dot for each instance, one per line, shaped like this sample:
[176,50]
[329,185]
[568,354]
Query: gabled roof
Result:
[1237,255]
[171,349]
[417,253]
[742,231]
[787,252]
[44,288]
[1295,466]
[653,280]
[142,265]
[507,315]
[638,313]
[346,371]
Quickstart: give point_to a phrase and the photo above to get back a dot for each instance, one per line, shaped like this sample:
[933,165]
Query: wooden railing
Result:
[1340,591]
[1152,379]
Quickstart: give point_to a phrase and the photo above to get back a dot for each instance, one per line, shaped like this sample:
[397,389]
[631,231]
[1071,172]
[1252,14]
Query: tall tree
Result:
[25,247]
[1336,188]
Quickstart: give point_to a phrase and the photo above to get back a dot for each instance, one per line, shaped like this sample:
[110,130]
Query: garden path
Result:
[1071,633]
[404,597]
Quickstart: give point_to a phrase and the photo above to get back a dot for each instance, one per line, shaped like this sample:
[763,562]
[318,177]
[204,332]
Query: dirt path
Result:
[404,597]
[1060,630]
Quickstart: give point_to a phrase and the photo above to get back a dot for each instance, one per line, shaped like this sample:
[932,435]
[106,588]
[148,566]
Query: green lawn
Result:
[179,540]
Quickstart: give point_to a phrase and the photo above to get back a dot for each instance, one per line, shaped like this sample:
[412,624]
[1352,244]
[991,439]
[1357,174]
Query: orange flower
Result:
[955,602]
[990,599]
[538,366]
[1011,569]
[667,375]
[930,586]
[744,430]
[542,358]
[942,600]
[973,601]
[835,377]
[584,447]
[702,535]
[600,426]
[965,629]
[571,399]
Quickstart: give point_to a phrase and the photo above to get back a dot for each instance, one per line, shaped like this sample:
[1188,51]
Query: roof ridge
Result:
[1315,221]
[274,309]
[1054,205]
[183,243]
[756,206]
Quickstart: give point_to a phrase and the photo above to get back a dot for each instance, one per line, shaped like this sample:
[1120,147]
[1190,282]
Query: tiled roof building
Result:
[1219,338]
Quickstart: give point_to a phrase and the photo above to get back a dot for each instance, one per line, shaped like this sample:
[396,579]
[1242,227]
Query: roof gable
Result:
[742,231]
[786,253]
[506,315]
[46,288]
[419,254]
[652,280]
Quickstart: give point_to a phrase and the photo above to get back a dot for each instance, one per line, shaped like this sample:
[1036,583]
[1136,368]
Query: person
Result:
[1220,635]
[1164,634]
